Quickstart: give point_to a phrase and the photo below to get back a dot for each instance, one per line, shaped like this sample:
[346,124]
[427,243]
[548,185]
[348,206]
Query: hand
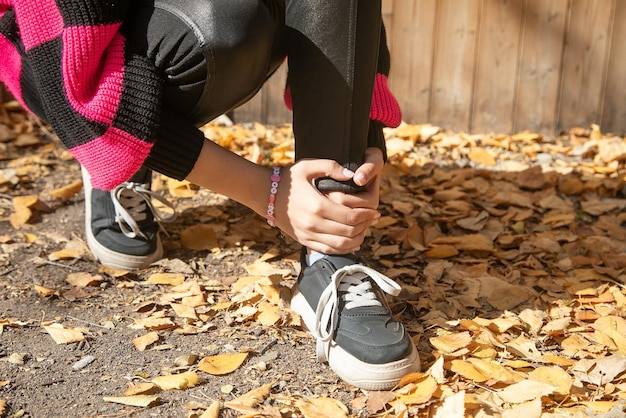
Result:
[325,222]
[368,174]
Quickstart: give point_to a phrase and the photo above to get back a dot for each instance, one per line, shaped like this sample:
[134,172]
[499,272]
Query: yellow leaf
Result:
[421,392]
[495,371]
[145,340]
[68,191]
[525,390]
[21,215]
[3,407]
[466,370]
[45,292]
[554,376]
[151,323]
[136,400]
[600,406]
[172,279]
[481,156]
[212,411]
[322,408]
[222,363]
[184,380]
[83,279]
[184,311]
[144,388]
[449,343]
[62,335]
[252,398]
[614,327]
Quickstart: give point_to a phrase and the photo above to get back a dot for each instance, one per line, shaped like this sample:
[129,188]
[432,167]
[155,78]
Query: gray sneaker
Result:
[122,225]
[343,305]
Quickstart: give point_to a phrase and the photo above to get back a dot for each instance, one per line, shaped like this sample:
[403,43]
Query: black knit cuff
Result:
[376,137]
[177,147]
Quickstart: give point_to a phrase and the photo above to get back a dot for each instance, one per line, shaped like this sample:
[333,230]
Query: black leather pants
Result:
[216,54]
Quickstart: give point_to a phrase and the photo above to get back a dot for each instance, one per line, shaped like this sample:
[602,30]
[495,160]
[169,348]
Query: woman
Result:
[125,84]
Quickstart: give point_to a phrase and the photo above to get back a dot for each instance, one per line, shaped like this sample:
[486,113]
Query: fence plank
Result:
[454,63]
[584,66]
[411,57]
[537,90]
[614,101]
[496,68]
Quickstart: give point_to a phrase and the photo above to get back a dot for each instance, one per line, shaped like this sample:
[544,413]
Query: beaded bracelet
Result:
[273,190]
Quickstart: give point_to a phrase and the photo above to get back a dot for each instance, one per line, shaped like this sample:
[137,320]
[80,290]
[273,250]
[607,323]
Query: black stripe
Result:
[92,12]
[72,128]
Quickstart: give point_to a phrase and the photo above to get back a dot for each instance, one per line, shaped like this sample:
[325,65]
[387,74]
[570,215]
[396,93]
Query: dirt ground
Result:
[41,258]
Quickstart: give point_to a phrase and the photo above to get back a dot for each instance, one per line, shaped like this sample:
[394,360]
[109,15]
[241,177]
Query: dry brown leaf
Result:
[481,156]
[68,191]
[136,400]
[450,343]
[495,371]
[221,364]
[615,328]
[3,407]
[84,279]
[452,407]
[213,411]
[467,370]
[153,323]
[45,292]
[199,237]
[141,343]
[554,376]
[143,388]
[171,279]
[179,381]
[525,390]
[251,399]
[418,392]
[322,408]
[62,335]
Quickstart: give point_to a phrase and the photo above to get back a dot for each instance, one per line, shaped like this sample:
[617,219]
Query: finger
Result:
[324,168]
[370,168]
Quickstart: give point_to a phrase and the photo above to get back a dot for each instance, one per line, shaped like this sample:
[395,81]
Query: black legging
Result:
[216,54]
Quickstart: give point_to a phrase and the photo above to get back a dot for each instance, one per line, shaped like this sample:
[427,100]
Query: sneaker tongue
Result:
[341,261]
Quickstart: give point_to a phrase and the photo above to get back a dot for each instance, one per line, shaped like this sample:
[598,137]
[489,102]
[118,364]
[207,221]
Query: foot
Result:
[342,304]
[122,225]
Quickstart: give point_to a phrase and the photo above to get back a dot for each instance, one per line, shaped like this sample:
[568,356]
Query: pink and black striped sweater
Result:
[67,62]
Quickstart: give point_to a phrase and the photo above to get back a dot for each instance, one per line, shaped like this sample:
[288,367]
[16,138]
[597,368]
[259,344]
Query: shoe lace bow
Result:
[357,291]
[131,201]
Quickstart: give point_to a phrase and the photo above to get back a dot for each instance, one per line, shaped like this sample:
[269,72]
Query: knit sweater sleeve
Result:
[101,97]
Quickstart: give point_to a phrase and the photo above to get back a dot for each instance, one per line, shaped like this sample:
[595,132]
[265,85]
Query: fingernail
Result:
[348,173]
[360,179]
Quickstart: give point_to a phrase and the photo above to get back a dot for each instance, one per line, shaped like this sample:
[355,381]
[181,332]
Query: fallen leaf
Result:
[171,279]
[221,364]
[68,191]
[322,408]
[179,381]
[135,400]
[524,391]
[62,335]
[250,399]
[143,388]
[141,343]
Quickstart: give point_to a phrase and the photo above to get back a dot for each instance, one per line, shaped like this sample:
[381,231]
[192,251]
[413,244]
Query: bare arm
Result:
[329,224]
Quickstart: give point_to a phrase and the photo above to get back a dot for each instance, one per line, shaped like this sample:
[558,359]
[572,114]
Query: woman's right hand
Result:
[311,217]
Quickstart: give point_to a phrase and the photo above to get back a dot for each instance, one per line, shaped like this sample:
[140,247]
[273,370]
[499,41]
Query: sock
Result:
[313,256]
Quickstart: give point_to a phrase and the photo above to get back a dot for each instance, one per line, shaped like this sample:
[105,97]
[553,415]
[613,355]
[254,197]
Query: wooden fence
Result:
[499,66]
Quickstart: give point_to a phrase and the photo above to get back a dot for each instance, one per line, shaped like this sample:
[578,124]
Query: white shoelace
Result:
[130,201]
[352,280]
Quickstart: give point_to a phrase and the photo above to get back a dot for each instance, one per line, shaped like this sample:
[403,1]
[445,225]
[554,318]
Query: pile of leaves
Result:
[510,249]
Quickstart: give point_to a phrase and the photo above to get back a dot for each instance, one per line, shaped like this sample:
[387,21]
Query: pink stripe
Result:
[93,70]
[10,69]
[112,158]
[385,107]
[39,21]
